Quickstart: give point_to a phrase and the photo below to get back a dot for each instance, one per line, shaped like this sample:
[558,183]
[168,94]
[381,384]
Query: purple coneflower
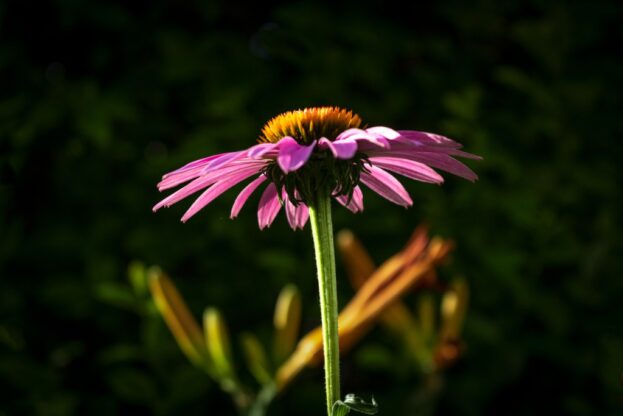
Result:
[300,151]
[307,157]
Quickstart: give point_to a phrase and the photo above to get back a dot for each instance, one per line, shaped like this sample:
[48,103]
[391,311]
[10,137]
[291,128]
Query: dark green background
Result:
[98,99]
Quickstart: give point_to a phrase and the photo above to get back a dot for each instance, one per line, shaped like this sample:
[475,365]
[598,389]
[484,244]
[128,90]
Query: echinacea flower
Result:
[300,152]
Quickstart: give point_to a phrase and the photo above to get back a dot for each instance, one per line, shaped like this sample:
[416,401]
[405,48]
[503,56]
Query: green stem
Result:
[322,231]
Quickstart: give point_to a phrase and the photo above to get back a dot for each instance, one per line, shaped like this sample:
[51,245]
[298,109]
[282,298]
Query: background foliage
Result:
[100,98]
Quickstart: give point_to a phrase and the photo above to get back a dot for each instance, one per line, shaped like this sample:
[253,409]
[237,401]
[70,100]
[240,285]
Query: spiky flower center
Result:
[309,124]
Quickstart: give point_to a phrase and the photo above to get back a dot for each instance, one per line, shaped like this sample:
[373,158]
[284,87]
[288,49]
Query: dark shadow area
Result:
[100,98]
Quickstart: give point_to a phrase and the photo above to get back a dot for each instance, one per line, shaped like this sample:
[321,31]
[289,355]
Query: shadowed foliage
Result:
[100,98]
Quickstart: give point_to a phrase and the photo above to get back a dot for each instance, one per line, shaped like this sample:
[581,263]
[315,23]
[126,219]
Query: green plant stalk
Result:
[322,232]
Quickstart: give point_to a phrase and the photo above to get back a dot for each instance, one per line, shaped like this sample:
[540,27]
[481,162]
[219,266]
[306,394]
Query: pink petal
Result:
[205,181]
[260,150]
[351,134]
[406,144]
[200,163]
[343,149]
[408,168]
[438,160]
[429,138]
[447,163]
[386,185]
[297,215]
[188,173]
[242,197]
[292,155]
[363,136]
[384,132]
[230,167]
[179,178]
[355,204]
[460,153]
[269,206]
[224,159]
[403,144]
[214,191]
[185,173]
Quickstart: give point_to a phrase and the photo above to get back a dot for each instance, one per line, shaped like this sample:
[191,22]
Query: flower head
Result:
[302,152]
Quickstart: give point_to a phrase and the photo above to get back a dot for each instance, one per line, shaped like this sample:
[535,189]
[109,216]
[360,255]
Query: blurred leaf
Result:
[217,342]
[116,294]
[287,321]
[256,358]
[138,278]
[121,353]
[132,385]
[374,357]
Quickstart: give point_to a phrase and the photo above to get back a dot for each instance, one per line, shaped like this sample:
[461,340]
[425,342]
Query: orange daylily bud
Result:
[176,314]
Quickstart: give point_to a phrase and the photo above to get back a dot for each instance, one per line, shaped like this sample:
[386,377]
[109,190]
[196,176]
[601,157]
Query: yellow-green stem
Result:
[322,231]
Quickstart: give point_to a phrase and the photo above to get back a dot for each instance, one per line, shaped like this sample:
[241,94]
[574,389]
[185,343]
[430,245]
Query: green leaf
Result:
[133,386]
[116,294]
[352,402]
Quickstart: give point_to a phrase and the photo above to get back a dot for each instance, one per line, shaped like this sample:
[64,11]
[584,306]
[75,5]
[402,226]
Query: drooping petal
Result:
[185,173]
[384,132]
[261,150]
[204,181]
[178,179]
[429,138]
[242,197]
[355,204]
[447,163]
[439,161]
[302,215]
[201,167]
[222,160]
[352,134]
[409,168]
[232,167]
[460,153]
[200,163]
[342,149]
[362,136]
[214,191]
[293,155]
[403,143]
[269,206]
[297,215]
[386,185]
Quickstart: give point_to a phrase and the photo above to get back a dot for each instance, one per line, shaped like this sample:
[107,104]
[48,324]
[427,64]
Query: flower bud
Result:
[217,342]
[178,318]
[256,358]
[287,321]
[453,309]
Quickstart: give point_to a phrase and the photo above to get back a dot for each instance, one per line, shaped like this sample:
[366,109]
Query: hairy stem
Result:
[322,231]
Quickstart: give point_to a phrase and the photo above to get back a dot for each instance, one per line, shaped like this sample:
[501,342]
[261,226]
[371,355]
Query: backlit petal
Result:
[244,195]
[386,185]
[269,206]
[293,155]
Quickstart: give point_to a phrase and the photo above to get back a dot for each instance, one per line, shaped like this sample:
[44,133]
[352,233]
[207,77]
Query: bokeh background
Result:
[100,98]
